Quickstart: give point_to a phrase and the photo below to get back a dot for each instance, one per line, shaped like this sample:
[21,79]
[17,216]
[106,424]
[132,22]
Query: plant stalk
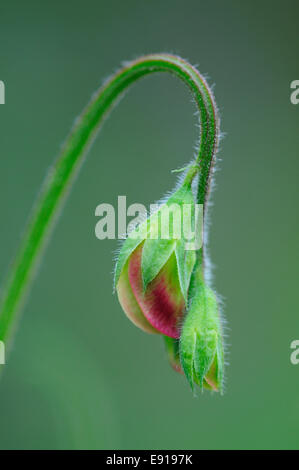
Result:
[61,176]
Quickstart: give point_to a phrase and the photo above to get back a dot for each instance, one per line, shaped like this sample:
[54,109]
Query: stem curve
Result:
[61,175]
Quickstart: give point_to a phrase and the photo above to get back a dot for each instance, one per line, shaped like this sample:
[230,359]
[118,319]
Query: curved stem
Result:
[62,173]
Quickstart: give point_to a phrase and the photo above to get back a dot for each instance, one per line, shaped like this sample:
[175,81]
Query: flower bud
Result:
[154,268]
[201,348]
[173,353]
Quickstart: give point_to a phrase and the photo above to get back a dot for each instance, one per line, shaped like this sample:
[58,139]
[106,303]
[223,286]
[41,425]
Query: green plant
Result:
[61,177]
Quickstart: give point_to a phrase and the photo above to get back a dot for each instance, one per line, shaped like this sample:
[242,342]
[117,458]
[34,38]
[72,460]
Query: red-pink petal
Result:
[163,303]
[130,305]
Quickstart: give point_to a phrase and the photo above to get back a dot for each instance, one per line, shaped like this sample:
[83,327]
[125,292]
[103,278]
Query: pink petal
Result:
[130,305]
[163,303]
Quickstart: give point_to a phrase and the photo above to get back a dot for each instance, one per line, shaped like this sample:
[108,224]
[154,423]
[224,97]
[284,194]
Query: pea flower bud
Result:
[201,349]
[154,267]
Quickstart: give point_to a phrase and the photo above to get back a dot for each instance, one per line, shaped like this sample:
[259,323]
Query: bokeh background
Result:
[80,374]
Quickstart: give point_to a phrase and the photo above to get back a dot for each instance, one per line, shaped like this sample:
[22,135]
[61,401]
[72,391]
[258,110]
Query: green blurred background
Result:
[80,374]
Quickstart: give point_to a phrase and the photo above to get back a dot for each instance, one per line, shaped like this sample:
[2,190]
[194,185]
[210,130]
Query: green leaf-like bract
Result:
[201,348]
[166,222]
[185,262]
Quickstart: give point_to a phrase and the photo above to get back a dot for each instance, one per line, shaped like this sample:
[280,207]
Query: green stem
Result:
[61,175]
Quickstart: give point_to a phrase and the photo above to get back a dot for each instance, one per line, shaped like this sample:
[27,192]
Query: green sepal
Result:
[185,262]
[201,349]
[187,351]
[157,250]
[155,254]
[163,235]
[204,353]
[127,249]
[220,365]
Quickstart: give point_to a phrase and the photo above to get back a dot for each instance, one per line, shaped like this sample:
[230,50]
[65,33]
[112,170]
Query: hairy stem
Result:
[61,175]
